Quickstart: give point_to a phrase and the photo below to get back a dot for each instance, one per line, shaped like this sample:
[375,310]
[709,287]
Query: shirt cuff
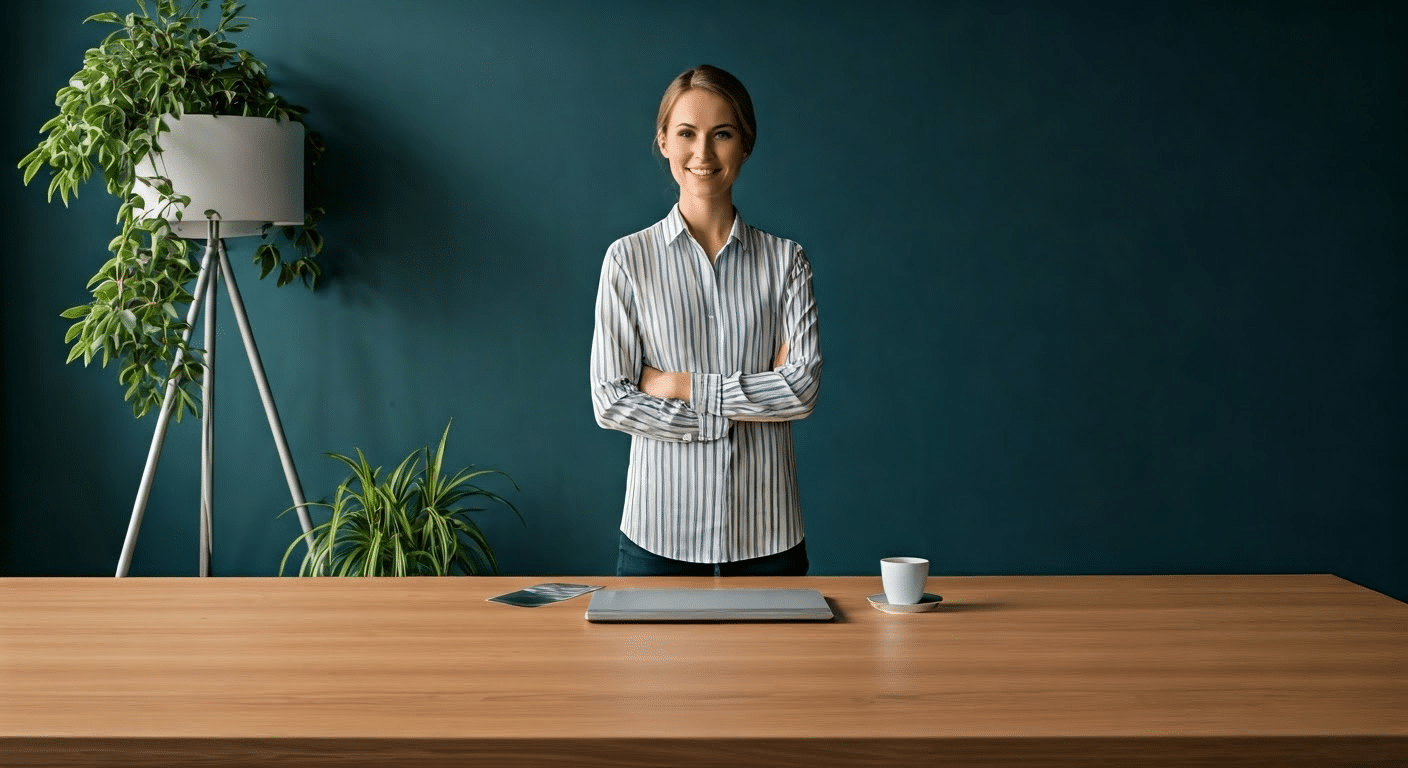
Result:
[712,427]
[706,398]
[706,393]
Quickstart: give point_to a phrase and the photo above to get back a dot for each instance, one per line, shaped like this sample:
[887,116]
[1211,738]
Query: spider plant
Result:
[412,521]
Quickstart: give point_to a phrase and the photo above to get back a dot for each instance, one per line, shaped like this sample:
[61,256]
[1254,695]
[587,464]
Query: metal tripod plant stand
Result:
[214,265]
[246,174]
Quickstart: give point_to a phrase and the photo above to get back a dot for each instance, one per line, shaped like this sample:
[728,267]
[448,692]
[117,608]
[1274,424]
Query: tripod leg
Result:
[124,563]
[207,429]
[285,457]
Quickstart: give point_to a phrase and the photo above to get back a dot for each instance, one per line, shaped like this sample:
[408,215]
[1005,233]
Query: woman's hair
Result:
[715,80]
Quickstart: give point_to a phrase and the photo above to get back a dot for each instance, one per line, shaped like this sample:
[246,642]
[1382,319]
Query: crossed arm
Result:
[694,406]
[675,384]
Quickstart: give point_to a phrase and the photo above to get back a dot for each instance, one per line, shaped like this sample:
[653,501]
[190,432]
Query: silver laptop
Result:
[708,605]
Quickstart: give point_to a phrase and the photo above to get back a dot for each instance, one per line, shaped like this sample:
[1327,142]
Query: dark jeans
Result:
[632,560]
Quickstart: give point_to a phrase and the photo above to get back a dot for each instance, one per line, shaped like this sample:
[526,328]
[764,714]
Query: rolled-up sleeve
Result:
[617,400]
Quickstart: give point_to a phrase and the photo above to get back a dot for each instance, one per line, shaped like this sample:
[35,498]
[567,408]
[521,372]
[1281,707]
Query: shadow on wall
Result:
[396,216]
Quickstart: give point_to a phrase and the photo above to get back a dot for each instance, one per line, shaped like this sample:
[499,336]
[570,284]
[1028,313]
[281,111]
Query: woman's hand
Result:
[781,359]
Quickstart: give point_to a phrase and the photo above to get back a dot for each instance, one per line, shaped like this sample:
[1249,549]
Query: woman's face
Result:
[703,144]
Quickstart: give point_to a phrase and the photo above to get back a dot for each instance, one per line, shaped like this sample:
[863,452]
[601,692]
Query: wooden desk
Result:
[1305,670]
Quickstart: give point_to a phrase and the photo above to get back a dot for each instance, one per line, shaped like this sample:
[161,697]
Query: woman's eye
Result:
[724,135]
[685,134]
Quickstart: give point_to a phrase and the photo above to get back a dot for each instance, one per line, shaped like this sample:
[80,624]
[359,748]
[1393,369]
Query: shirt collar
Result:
[675,228]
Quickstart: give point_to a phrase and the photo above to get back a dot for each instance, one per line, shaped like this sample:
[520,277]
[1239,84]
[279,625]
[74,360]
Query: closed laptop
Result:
[708,605]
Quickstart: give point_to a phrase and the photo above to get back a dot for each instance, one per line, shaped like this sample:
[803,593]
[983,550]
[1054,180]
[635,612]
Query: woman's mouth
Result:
[703,171]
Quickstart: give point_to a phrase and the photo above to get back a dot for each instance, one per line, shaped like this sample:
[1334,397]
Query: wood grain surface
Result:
[1282,670]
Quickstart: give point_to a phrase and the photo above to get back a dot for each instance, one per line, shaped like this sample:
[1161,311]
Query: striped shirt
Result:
[714,479]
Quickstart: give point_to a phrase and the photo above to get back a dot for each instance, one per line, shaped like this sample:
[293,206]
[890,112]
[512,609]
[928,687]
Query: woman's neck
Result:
[709,220]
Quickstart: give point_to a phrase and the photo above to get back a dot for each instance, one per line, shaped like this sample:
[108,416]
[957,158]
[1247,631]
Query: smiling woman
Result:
[706,348]
[705,130]
[705,161]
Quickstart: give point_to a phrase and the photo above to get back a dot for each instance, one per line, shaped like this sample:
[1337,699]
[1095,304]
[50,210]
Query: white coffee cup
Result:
[903,578]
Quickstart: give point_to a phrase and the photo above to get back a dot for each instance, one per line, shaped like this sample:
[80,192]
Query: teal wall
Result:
[1104,287]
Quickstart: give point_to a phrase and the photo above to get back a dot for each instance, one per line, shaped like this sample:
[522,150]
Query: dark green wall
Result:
[1104,287]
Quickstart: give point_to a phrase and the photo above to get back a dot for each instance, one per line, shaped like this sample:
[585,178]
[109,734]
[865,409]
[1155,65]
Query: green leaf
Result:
[77,351]
[267,256]
[31,170]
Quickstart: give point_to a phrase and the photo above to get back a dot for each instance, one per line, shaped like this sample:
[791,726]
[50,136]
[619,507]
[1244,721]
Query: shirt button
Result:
[687,437]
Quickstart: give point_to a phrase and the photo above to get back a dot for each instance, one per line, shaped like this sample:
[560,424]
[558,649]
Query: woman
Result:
[706,347]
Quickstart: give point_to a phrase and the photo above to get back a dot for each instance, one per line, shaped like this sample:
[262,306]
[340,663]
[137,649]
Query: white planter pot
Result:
[248,169]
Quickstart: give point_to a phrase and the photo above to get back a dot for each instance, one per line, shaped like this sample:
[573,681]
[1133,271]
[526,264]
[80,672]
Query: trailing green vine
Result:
[159,62]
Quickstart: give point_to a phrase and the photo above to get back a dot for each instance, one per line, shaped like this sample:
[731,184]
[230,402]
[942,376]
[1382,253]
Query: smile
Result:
[703,171]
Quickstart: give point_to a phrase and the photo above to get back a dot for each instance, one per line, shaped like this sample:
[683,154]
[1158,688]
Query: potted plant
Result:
[412,521]
[149,72]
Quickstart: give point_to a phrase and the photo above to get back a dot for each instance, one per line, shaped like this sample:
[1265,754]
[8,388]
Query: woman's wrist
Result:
[679,385]
[667,384]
